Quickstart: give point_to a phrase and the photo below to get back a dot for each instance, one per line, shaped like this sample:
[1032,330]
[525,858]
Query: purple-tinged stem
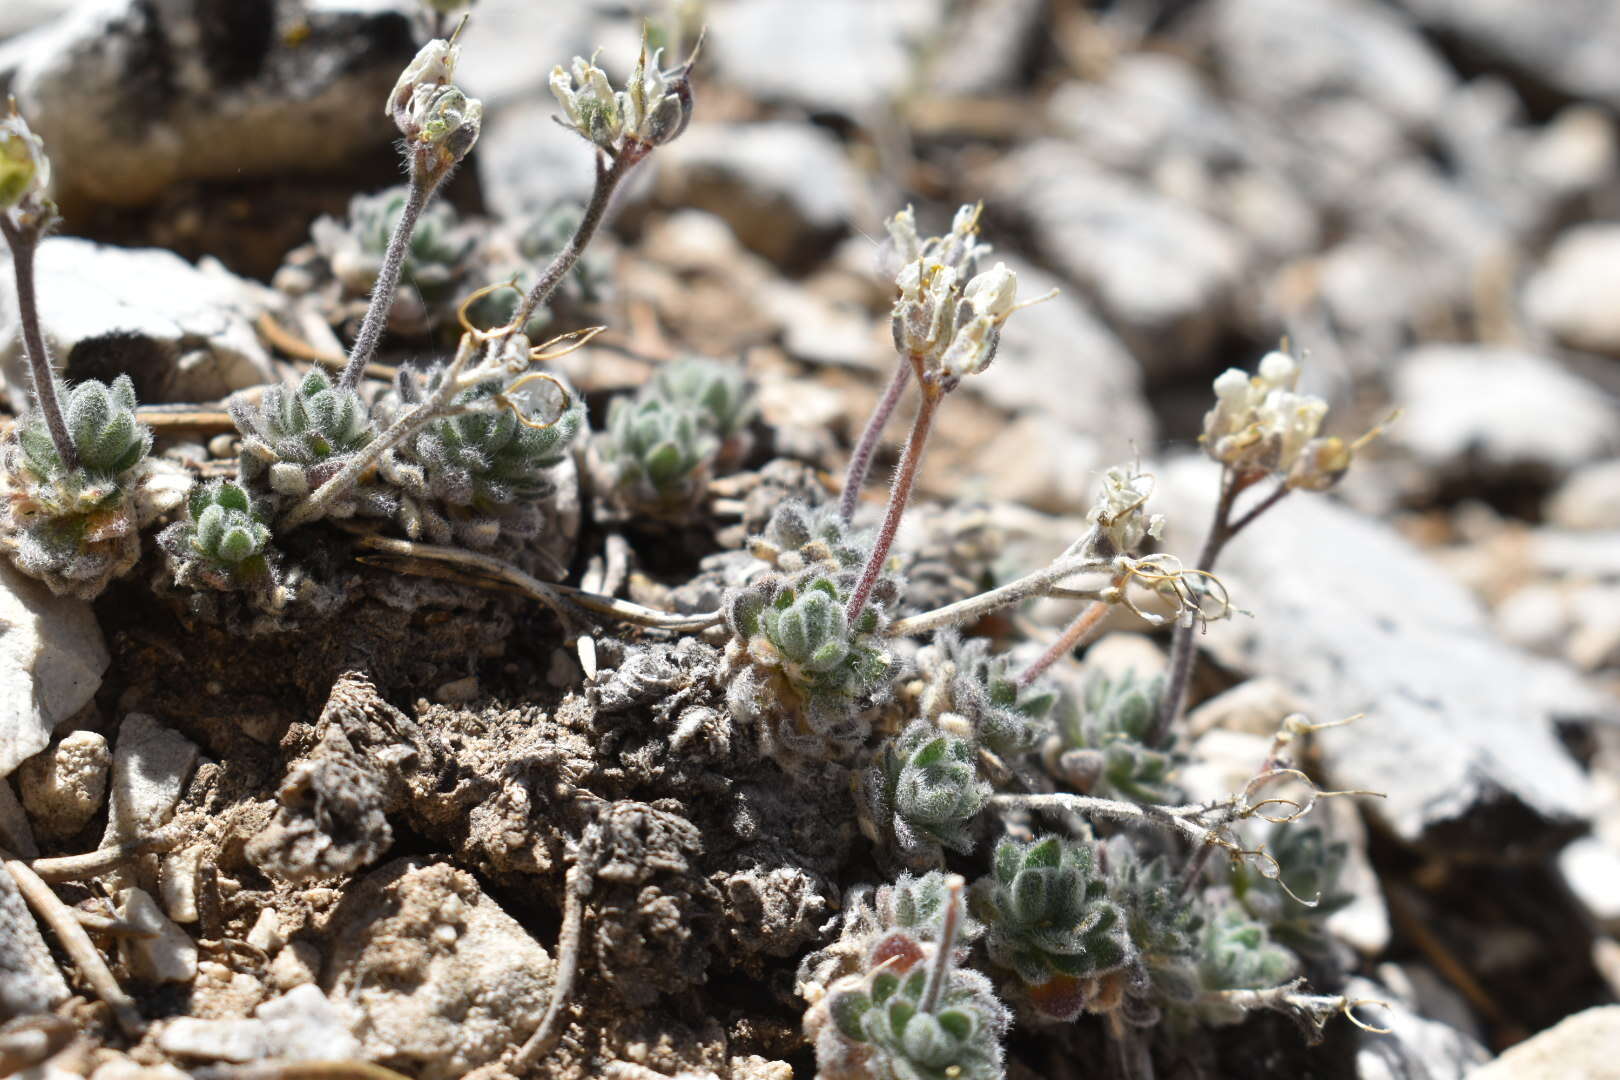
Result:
[899,493]
[24,242]
[418,192]
[860,463]
[1078,631]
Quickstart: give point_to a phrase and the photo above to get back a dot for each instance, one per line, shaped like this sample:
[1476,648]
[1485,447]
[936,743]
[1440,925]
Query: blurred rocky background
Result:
[1421,196]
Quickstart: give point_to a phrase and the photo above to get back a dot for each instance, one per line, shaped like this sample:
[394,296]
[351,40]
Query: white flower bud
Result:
[1118,510]
[1279,370]
[562,87]
[433,65]
[903,236]
[970,350]
[993,293]
[24,168]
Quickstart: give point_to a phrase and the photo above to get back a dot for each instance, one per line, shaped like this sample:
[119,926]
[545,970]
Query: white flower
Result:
[993,293]
[1265,425]
[1278,370]
[971,350]
[652,109]
[948,318]
[1118,511]
[906,247]
[433,65]
[24,168]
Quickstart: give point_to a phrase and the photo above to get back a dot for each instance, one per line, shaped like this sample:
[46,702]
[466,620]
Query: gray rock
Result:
[1588,499]
[1530,175]
[845,56]
[1481,409]
[786,190]
[149,771]
[1058,360]
[1040,462]
[1415,1047]
[64,786]
[1581,1046]
[1149,105]
[1575,296]
[987,48]
[1163,274]
[166,954]
[1569,46]
[132,97]
[21,15]
[463,980]
[1153,116]
[16,834]
[526,163]
[301,1025]
[29,979]
[1456,728]
[1447,237]
[52,657]
[512,45]
[182,332]
[1279,55]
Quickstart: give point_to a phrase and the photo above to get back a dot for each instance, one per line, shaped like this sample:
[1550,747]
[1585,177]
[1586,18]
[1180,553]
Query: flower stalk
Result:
[24,243]
[440,124]
[860,462]
[905,474]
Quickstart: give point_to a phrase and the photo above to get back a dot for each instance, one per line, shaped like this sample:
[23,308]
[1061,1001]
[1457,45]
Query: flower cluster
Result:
[948,318]
[1263,424]
[1118,512]
[440,122]
[25,171]
[652,109]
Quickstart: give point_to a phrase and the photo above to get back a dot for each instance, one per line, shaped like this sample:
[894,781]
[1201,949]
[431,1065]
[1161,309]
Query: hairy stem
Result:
[313,505]
[24,242]
[418,192]
[1039,583]
[860,463]
[1078,631]
[1172,818]
[607,181]
[939,971]
[899,494]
